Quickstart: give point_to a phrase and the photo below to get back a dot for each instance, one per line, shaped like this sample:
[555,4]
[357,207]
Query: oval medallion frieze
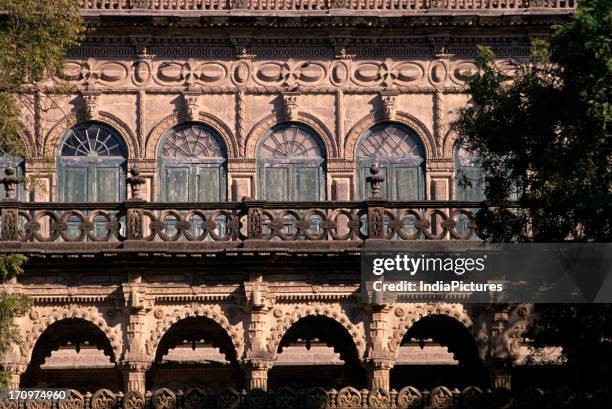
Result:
[211,72]
[241,72]
[339,73]
[462,71]
[367,72]
[142,72]
[311,72]
[170,72]
[113,72]
[437,72]
[408,72]
[270,72]
[73,71]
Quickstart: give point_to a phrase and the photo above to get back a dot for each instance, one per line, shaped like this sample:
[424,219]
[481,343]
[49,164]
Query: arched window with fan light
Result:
[192,165]
[400,156]
[92,165]
[291,164]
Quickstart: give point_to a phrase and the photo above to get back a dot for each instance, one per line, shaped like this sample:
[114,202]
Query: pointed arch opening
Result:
[92,165]
[73,353]
[317,351]
[195,352]
[291,164]
[400,156]
[192,165]
[438,350]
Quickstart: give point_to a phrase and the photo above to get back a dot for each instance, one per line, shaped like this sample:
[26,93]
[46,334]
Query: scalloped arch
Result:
[157,133]
[210,312]
[285,322]
[271,120]
[408,319]
[403,118]
[57,132]
[94,317]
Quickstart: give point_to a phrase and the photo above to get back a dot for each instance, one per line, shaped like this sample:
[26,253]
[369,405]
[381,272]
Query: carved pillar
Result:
[378,373]
[380,362]
[500,329]
[136,305]
[257,374]
[135,375]
[10,207]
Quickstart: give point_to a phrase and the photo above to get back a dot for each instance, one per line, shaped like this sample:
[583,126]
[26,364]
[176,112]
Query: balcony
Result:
[233,225]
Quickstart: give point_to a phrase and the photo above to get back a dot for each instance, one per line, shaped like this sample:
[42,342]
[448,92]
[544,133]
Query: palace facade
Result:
[199,198]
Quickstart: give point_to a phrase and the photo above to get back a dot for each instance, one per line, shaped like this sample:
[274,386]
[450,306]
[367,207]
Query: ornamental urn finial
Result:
[375,180]
[135,181]
[10,182]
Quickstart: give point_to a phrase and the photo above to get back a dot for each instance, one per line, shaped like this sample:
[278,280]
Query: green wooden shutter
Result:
[307,184]
[276,184]
[177,184]
[75,184]
[407,183]
[108,184]
[208,183]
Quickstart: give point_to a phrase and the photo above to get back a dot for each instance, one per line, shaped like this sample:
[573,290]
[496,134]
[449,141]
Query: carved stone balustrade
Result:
[235,224]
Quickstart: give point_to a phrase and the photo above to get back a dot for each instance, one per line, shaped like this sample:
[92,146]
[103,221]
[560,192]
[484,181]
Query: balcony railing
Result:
[311,5]
[236,222]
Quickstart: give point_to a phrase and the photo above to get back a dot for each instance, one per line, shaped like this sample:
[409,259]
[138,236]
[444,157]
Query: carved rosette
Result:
[409,397]
[163,399]
[103,399]
[133,400]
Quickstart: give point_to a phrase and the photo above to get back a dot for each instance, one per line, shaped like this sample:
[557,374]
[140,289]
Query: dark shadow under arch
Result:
[193,333]
[319,330]
[452,334]
[80,334]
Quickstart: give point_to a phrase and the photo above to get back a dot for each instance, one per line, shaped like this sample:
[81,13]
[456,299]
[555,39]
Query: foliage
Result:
[34,35]
[542,131]
[11,305]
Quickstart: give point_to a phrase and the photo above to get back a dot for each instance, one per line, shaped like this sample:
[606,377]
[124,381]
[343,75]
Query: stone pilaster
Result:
[257,374]
[135,375]
[378,373]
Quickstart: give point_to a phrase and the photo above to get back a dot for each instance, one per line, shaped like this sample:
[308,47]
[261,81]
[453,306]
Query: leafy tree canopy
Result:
[542,131]
[34,35]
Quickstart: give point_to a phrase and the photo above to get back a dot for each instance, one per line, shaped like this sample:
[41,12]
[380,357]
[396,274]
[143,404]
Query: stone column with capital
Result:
[134,375]
[380,360]
[500,330]
[257,373]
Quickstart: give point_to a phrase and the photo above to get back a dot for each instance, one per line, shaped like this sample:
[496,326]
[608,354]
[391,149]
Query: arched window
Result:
[91,166]
[192,165]
[400,156]
[9,160]
[469,181]
[291,164]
